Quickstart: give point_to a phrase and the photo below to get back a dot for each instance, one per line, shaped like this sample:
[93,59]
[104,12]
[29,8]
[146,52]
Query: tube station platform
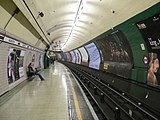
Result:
[58,97]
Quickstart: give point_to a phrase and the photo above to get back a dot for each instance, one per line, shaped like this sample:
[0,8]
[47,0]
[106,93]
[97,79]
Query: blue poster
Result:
[94,56]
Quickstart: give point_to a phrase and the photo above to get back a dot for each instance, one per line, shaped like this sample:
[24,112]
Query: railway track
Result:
[109,103]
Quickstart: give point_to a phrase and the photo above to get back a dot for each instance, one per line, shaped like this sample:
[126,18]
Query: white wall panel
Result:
[3,68]
[4,51]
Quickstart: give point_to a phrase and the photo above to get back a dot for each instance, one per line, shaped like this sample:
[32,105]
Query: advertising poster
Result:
[69,56]
[42,61]
[21,59]
[65,56]
[36,62]
[117,54]
[73,57]
[150,30]
[28,58]
[33,59]
[39,61]
[59,56]
[94,56]
[84,56]
[78,56]
[15,64]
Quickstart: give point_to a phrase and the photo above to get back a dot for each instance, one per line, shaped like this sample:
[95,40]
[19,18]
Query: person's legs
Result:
[40,76]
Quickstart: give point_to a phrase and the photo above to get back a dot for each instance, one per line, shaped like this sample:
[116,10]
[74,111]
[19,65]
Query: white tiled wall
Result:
[3,67]
[4,51]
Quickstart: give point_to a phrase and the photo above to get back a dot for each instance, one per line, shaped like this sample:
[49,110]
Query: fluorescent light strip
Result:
[79,12]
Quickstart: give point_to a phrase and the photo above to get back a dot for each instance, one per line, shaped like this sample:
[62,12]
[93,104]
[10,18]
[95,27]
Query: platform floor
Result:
[58,97]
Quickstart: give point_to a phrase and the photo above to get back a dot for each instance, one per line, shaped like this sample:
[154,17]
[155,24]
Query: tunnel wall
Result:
[13,65]
[131,57]
[126,75]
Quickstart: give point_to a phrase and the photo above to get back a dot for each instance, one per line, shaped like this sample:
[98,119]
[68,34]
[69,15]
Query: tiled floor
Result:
[40,100]
[51,99]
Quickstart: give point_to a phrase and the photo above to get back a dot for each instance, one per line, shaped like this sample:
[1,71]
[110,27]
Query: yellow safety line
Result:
[75,100]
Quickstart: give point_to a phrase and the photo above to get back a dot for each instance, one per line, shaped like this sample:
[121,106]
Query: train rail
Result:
[109,103]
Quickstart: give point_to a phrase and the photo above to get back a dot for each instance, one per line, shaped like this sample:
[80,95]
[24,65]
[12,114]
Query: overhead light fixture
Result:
[78,14]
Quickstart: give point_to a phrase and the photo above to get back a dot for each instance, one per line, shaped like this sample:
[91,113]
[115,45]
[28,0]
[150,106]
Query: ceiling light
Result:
[79,12]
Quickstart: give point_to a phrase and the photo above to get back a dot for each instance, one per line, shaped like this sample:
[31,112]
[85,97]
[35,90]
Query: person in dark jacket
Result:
[37,73]
[32,72]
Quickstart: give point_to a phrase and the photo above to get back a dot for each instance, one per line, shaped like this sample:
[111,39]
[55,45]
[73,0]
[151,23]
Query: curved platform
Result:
[58,97]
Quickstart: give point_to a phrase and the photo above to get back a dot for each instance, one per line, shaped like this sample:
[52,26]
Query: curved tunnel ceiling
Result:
[75,22]
[60,26]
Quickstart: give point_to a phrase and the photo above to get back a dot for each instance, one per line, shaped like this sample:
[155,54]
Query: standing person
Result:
[154,66]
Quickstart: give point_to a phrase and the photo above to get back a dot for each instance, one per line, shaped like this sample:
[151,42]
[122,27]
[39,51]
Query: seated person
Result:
[31,72]
[37,73]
